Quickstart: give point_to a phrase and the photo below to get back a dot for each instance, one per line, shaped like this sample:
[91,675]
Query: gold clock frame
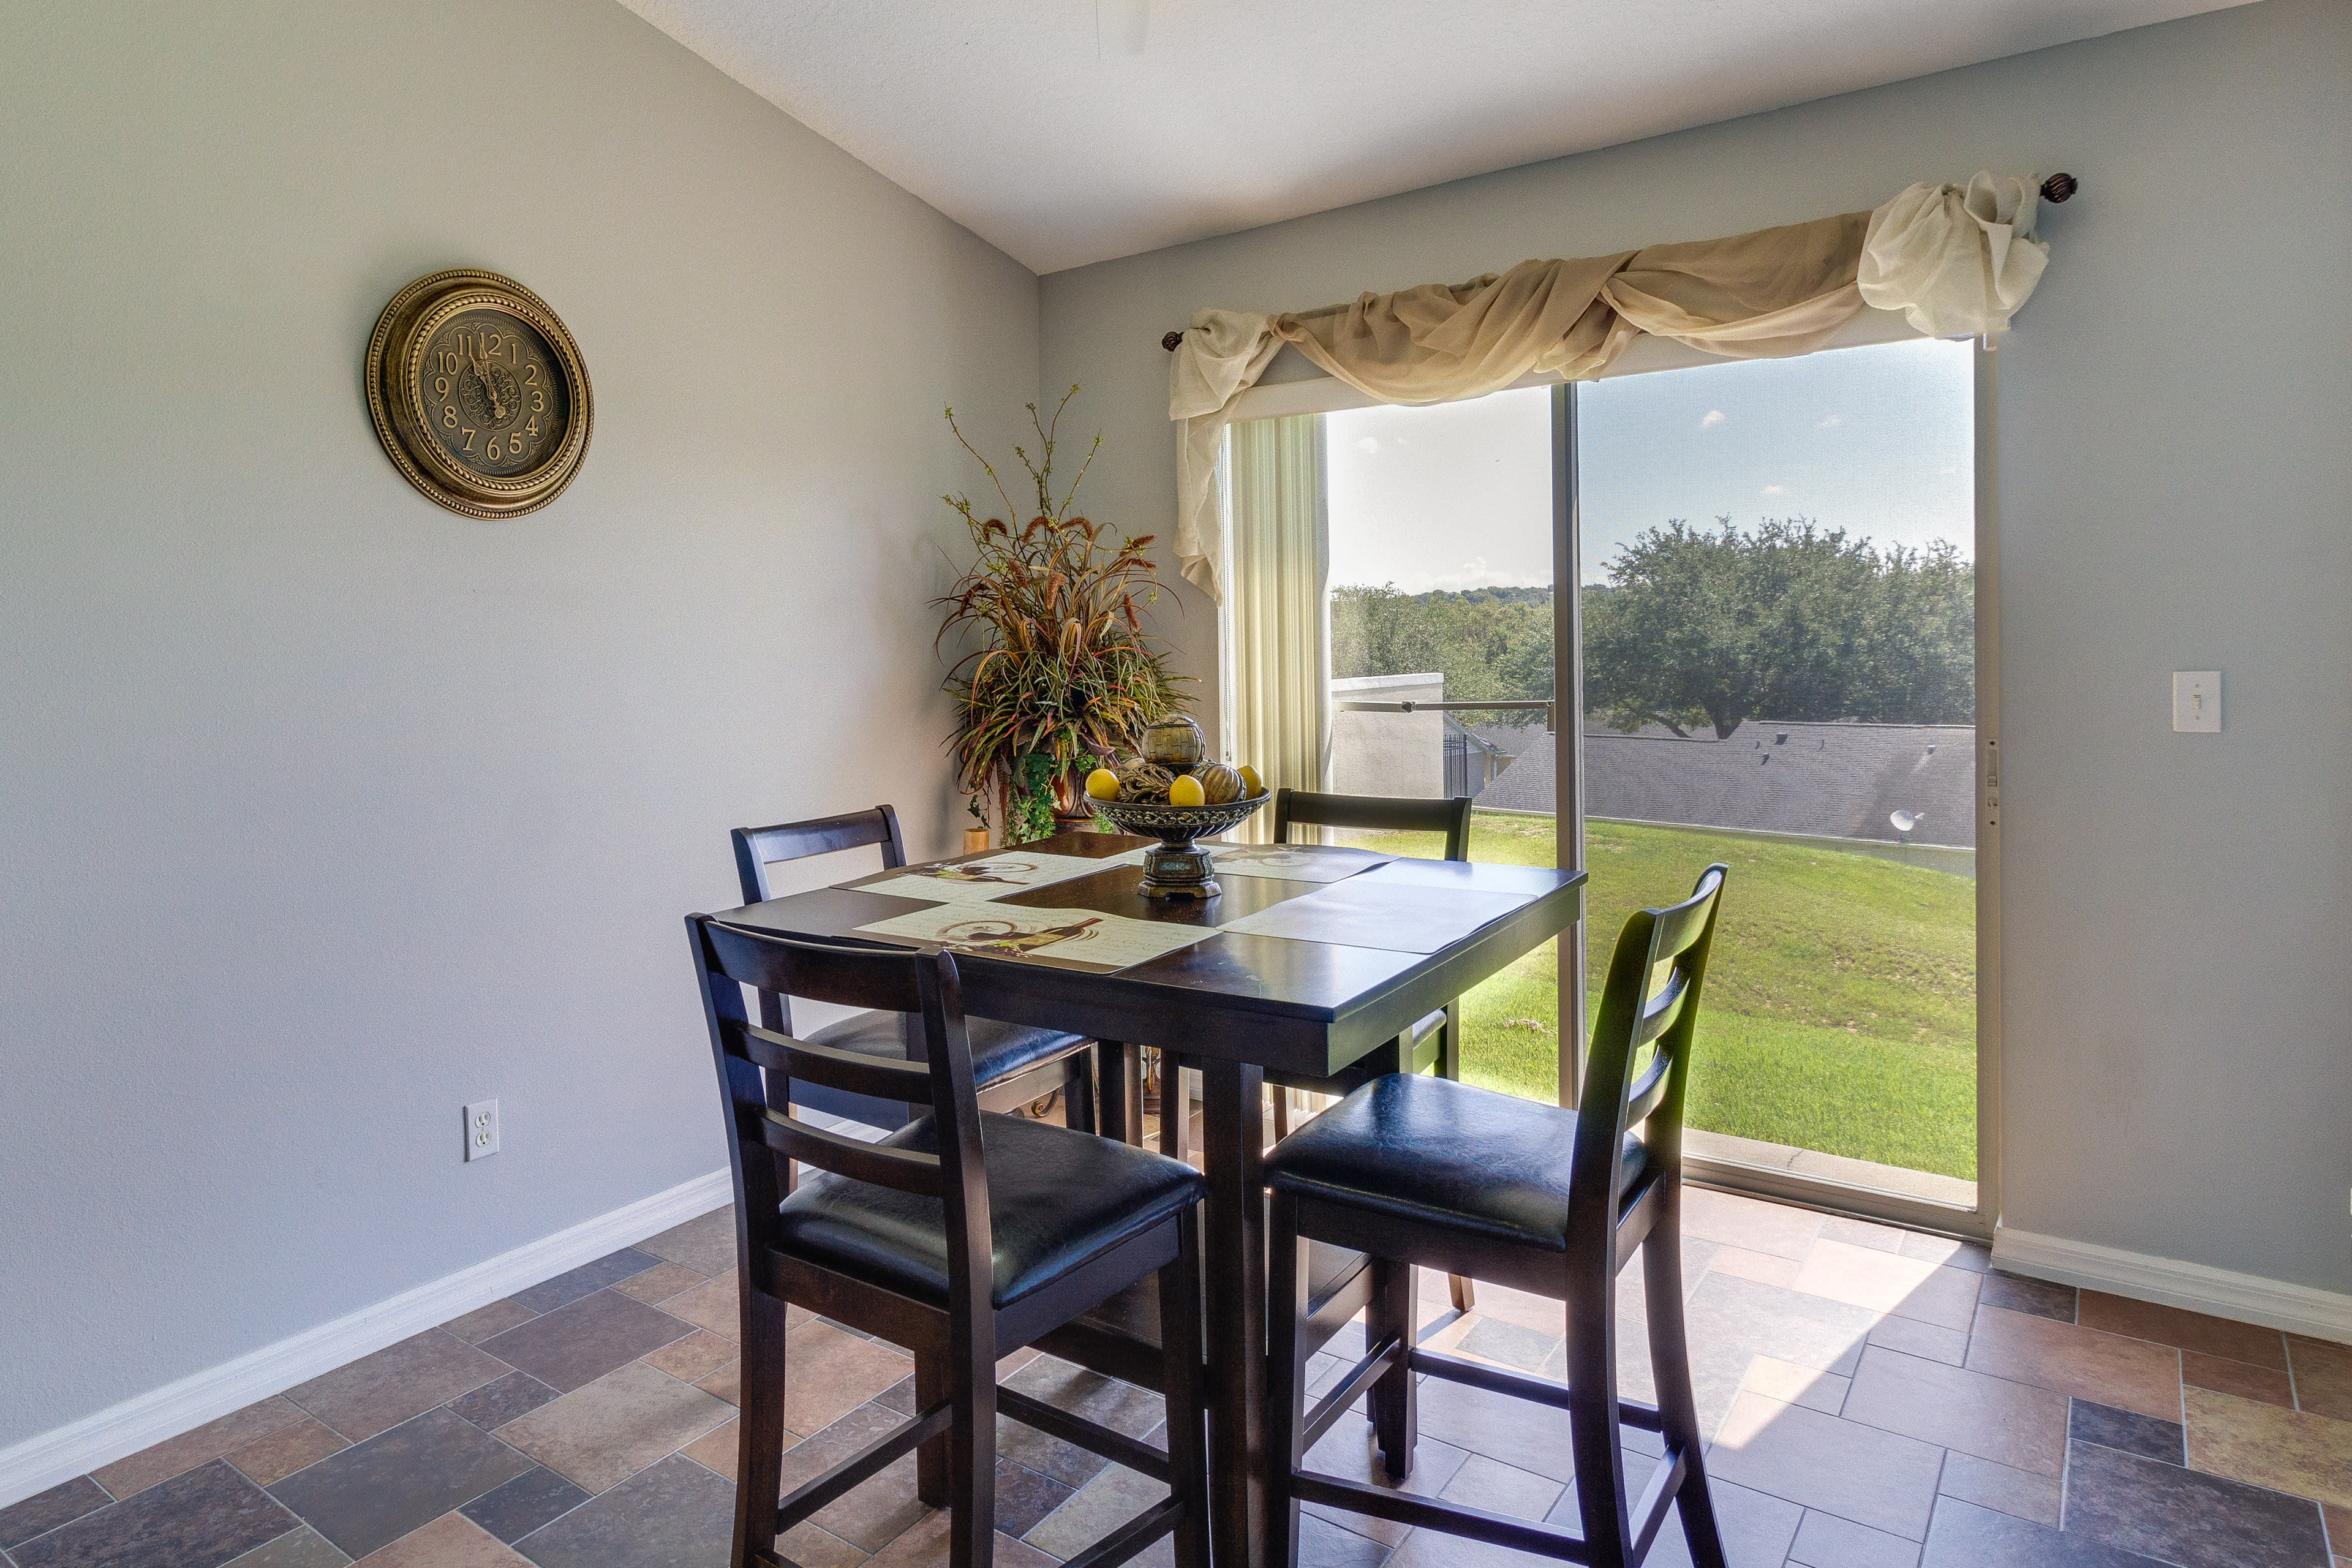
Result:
[393,355]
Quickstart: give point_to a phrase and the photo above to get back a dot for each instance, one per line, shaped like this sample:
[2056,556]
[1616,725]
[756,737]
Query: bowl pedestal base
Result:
[1179,873]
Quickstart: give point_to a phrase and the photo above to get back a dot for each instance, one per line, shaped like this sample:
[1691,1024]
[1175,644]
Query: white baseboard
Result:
[146,1419]
[2248,1298]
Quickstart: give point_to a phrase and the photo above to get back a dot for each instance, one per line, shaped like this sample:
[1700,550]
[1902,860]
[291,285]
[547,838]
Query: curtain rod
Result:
[2058,187]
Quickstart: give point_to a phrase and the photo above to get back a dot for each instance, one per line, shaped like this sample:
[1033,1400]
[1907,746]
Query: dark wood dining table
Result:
[1235,1005]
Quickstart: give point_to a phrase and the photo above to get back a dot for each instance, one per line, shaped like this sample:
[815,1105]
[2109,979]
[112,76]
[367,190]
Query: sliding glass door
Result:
[1768,657]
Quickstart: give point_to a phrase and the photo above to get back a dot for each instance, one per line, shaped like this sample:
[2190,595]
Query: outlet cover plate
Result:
[481,1130]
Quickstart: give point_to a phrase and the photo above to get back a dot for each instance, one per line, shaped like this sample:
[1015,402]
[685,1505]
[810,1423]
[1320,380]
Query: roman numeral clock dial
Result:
[478,392]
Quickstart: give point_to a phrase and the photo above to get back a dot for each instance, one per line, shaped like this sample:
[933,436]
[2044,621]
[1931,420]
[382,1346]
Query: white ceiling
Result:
[1067,132]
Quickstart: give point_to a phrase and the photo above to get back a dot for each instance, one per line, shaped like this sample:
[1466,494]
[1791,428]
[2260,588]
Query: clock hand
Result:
[497,404]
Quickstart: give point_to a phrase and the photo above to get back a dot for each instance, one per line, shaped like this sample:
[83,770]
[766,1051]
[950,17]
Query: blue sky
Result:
[1875,440]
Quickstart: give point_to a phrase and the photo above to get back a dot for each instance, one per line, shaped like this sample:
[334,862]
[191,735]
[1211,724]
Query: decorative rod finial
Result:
[2059,187]
[1170,340]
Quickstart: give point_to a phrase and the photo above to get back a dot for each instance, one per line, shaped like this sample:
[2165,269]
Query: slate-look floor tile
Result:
[495,1319]
[698,1355]
[2000,1489]
[2089,1422]
[2017,1293]
[284,1451]
[2183,1330]
[2267,1386]
[532,1498]
[199,1519]
[2288,1450]
[177,1456]
[2128,1373]
[1872,1476]
[44,1512]
[373,1494]
[1966,1536]
[675,1512]
[580,1343]
[452,1540]
[303,1548]
[706,1244]
[659,1283]
[568,1286]
[2011,1423]
[600,1435]
[494,1404]
[379,1392]
[716,1305]
[1825,1540]
[2184,1516]
[2323,1381]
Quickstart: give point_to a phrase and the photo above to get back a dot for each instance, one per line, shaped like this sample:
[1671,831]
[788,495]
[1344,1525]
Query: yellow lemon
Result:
[1186,791]
[1103,785]
[1252,786]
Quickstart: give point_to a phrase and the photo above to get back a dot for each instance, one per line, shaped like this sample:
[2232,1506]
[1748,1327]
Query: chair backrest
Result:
[1381,813]
[755,1064]
[757,848]
[1648,1004]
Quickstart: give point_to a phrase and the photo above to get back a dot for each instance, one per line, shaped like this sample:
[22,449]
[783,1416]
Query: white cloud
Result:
[1831,423]
[1369,444]
[1474,573]
[1714,418]
[1776,490]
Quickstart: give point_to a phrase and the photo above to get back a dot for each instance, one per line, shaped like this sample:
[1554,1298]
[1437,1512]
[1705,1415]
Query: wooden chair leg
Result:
[1662,1274]
[972,1460]
[760,1437]
[1395,1421]
[1181,1347]
[1078,1091]
[1594,1437]
[1285,1372]
[1281,1112]
[1465,1292]
[932,1458]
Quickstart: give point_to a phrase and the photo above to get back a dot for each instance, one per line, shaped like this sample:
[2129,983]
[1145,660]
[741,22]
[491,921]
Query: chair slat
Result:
[1659,1013]
[903,1170]
[837,971]
[757,848]
[1680,926]
[1383,813]
[851,1072]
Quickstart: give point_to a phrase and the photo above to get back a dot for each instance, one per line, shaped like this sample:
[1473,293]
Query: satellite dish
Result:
[1905,821]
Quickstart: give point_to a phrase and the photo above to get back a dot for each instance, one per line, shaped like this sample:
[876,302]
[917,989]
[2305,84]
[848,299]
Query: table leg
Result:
[1121,1069]
[1232,1141]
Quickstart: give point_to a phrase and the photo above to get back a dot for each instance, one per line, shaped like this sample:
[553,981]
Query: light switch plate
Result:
[2196,701]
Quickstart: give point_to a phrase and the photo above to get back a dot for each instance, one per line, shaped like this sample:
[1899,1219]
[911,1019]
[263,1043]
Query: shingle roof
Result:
[1839,779]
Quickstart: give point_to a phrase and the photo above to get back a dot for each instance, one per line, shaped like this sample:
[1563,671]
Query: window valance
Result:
[1955,260]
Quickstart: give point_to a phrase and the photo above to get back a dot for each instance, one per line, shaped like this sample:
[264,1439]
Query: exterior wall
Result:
[1387,753]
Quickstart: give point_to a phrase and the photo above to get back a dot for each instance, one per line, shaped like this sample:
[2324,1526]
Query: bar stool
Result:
[959,1237]
[1424,1172]
[1009,1061]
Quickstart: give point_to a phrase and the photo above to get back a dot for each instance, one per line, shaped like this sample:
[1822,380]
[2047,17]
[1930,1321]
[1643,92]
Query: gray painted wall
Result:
[2174,475]
[323,810]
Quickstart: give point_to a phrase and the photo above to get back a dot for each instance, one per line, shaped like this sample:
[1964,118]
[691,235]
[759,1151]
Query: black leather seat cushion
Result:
[999,1050]
[1431,1149]
[1055,1200]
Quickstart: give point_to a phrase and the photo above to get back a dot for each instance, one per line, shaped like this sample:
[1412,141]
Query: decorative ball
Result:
[1252,786]
[1176,745]
[1185,790]
[1102,785]
[1219,784]
[1143,781]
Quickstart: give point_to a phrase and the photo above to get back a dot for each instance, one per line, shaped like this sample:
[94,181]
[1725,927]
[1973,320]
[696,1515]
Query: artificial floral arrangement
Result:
[1065,675]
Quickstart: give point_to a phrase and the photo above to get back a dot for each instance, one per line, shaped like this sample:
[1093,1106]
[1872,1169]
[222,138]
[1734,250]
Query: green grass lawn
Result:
[1840,1011]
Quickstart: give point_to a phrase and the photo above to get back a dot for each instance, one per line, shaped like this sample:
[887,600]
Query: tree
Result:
[1488,643]
[1787,621]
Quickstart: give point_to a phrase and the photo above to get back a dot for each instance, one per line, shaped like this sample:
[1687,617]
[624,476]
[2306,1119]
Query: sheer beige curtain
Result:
[1278,663]
[1954,260]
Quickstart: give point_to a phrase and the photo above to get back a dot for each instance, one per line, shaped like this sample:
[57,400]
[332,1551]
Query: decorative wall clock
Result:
[478,392]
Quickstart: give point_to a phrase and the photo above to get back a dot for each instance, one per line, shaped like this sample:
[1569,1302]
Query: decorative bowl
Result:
[1176,868]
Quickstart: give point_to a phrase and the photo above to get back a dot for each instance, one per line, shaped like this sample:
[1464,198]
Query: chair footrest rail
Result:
[1079,1432]
[864,1465]
[1361,1377]
[1542,1391]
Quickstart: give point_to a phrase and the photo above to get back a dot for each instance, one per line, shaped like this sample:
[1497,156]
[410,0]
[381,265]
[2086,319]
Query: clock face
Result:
[478,393]
[493,393]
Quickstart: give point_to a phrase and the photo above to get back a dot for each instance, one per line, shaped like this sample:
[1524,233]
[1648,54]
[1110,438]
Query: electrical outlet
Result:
[482,1129]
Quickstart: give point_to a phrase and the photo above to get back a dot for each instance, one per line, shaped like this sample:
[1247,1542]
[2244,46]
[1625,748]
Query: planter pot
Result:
[975,840]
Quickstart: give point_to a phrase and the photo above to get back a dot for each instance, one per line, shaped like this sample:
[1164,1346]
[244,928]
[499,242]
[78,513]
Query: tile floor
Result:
[1876,1396]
